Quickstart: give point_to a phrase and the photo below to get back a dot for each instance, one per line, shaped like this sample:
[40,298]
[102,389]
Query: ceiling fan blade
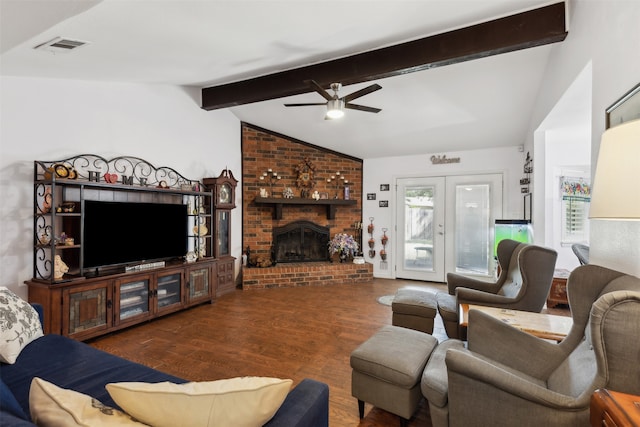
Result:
[305,105]
[362,92]
[362,108]
[315,86]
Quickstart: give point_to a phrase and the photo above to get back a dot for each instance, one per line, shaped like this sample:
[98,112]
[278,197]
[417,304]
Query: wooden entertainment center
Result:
[83,301]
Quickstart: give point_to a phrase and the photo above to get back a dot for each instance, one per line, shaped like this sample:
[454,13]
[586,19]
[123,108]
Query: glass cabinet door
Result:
[132,298]
[222,233]
[169,290]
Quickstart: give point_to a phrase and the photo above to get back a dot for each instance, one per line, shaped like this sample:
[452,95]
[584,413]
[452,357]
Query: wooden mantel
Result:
[277,204]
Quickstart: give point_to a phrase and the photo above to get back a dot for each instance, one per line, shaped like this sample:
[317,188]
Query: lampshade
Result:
[335,109]
[616,193]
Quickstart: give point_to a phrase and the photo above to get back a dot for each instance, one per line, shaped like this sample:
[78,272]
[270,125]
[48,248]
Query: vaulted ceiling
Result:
[448,94]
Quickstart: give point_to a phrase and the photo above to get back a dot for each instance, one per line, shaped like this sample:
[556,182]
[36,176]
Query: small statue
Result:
[316,195]
[264,193]
[59,268]
[288,193]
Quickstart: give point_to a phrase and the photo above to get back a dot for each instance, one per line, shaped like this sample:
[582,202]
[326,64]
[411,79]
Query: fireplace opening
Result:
[301,241]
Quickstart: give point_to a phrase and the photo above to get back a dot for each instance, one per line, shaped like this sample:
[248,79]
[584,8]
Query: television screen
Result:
[118,233]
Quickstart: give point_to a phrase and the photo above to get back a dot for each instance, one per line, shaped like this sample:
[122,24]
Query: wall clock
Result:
[224,196]
[305,171]
[224,188]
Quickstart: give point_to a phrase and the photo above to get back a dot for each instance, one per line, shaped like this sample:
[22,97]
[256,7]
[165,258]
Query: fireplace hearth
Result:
[300,241]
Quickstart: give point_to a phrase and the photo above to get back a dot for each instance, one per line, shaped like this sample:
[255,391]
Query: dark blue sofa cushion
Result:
[9,403]
[73,365]
[77,366]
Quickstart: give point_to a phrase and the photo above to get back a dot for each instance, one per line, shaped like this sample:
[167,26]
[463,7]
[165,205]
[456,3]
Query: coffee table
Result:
[546,326]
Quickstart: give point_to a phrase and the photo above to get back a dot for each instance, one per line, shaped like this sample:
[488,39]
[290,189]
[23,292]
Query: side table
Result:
[614,409]
[558,291]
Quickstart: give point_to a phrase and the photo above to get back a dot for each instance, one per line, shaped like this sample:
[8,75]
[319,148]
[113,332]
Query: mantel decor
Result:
[304,171]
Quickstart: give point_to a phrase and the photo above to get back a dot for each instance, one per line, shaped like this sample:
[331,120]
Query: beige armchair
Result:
[507,377]
[523,284]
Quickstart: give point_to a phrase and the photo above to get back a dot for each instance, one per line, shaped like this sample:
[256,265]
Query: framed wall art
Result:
[625,109]
[371,196]
[384,187]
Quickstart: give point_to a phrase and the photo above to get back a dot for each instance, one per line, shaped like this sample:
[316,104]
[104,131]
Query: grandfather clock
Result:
[224,200]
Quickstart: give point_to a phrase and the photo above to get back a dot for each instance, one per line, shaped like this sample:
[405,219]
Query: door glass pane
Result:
[223,233]
[473,228]
[418,232]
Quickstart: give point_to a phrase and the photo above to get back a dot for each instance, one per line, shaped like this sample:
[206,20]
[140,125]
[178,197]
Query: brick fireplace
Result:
[263,150]
[300,241]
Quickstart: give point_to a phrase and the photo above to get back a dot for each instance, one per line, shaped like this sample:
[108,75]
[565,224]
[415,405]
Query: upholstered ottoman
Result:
[414,309]
[387,369]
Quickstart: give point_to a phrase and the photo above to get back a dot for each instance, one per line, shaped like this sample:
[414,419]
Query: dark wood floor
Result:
[305,332]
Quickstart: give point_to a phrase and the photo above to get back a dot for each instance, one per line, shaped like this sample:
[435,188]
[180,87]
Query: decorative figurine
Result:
[59,268]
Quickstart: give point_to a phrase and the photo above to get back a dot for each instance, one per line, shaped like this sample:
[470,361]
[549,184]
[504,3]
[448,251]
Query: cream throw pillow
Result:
[19,325]
[237,402]
[52,406]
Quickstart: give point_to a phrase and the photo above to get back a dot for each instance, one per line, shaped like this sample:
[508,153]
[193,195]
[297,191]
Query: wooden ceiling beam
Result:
[536,27]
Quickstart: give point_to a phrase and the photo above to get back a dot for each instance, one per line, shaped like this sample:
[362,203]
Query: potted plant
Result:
[343,244]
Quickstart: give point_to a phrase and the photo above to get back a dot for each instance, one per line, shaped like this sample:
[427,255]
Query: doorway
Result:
[445,224]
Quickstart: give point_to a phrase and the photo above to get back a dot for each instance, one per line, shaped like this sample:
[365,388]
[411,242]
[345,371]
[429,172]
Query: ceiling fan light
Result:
[335,109]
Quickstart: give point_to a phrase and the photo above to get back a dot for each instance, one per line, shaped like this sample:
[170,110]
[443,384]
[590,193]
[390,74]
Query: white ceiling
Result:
[476,104]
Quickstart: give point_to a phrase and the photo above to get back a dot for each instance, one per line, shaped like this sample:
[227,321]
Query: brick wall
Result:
[306,274]
[263,150]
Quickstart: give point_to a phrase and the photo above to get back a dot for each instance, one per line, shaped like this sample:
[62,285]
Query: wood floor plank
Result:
[297,333]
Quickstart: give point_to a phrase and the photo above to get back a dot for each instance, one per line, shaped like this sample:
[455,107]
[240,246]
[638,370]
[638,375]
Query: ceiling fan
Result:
[336,104]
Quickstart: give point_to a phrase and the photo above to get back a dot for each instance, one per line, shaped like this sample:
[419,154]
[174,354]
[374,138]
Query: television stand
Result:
[83,309]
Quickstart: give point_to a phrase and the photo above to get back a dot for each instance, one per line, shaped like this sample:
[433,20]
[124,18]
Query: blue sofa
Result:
[77,366]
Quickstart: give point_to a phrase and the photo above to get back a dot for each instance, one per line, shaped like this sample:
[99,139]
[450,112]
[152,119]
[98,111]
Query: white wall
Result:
[605,33]
[48,119]
[567,153]
[508,161]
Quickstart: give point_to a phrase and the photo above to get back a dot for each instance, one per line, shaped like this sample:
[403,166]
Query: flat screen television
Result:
[122,233]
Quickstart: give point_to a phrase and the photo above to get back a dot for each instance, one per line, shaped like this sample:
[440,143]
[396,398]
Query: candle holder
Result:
[339,180]
[272,178]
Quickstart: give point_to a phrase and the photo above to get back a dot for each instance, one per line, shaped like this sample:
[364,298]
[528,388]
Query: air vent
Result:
[61,45]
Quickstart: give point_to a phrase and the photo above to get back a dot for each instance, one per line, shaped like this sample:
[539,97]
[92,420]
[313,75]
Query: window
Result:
[576,196]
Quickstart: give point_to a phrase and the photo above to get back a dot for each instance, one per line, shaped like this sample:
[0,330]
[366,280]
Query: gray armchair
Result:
[582,252]
[507,377]
[523,284]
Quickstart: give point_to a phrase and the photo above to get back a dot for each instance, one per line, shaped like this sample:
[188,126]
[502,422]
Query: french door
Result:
[445,224]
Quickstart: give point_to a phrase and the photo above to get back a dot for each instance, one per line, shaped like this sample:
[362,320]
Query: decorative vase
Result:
[343,256]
